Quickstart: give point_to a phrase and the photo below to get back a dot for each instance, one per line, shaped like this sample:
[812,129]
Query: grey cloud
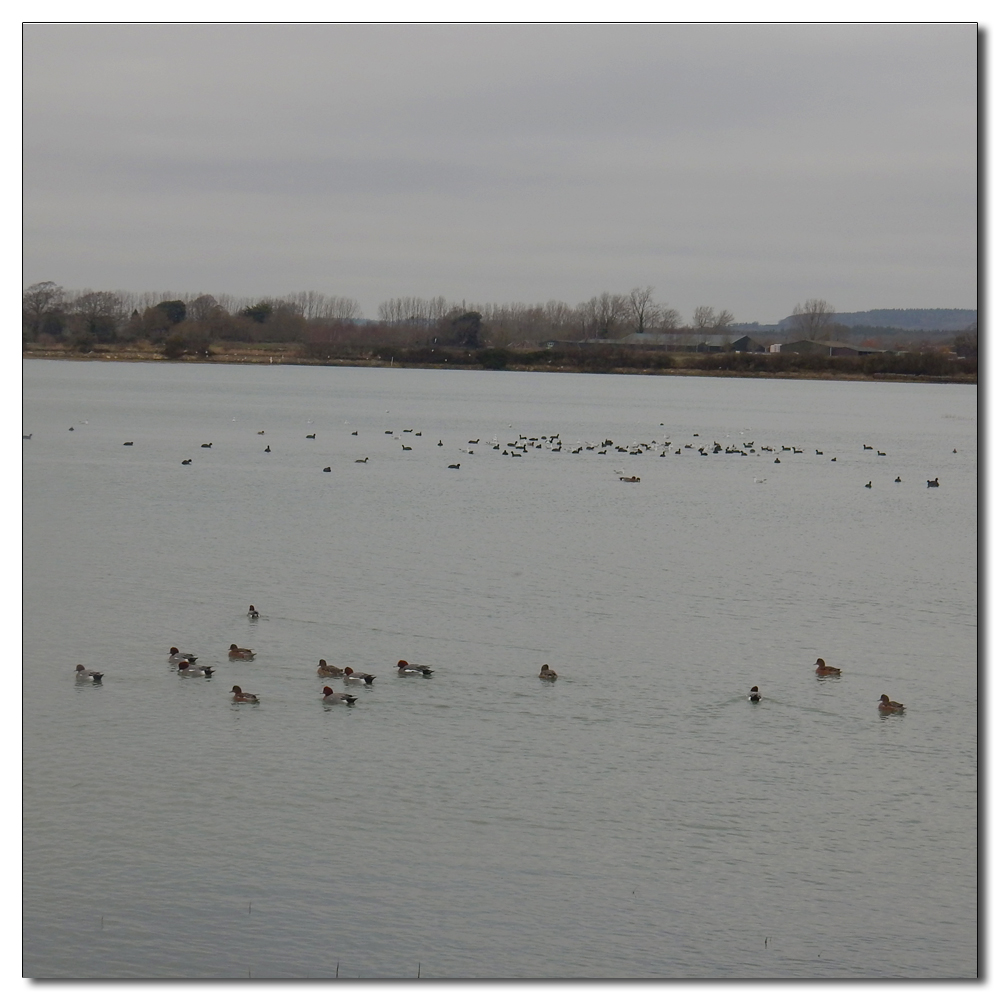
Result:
[754,164]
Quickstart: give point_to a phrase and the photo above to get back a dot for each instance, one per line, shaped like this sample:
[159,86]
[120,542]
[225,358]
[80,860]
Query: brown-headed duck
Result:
[240,695]
[331,697]
[350,675]
[889,707]
[547,674]
[413,669]
[823,670]
[238,653]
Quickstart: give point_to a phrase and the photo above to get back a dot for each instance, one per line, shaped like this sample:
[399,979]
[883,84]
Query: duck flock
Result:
[823,669]
[524,444]
[521,446]
[186,666]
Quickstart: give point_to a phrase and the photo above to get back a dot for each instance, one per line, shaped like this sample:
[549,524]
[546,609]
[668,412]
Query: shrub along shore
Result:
[930,366]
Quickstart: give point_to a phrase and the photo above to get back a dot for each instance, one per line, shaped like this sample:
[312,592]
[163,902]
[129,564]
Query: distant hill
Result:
[903,319]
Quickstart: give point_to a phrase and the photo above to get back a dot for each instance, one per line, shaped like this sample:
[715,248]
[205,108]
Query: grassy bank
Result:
[618,360]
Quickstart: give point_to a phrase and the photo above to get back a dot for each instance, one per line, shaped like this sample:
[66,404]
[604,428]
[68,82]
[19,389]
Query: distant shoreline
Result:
[251,356]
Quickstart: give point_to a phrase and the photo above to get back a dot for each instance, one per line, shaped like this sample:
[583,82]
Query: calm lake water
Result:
[637,818]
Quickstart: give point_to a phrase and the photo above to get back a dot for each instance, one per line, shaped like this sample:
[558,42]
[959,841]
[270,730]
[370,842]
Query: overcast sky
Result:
[746,167]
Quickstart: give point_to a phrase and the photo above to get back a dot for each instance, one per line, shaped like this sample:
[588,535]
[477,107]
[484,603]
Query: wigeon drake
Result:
[754,695]
[240,695]
[176,656]
[331,697]
[823,670]
[350,675]
[253,612]
[889,707]
[185,669]
[238,653]
[547,674]
[412,669]
[83,675]
[327,670]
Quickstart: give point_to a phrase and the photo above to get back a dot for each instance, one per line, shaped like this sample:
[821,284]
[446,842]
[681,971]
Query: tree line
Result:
[180,324]
[82,319]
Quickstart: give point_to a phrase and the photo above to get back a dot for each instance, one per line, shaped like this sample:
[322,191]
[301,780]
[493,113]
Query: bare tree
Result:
[413,310]
[668,319]
[560,316]
[316,305]
[704,318]
[37,302]
[814,320]
[99,313]
[604,315]
[642,308]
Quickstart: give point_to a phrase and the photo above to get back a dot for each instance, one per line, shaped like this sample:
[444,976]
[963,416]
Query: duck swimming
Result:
[889,707]
[185,669]
[237,653]
[547,674]
[331,697]
[176,657]
[412,669]
[253,612]
[85,676]
[824,671]
[240,695]
[327,670]
[350,675]
[754,695]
